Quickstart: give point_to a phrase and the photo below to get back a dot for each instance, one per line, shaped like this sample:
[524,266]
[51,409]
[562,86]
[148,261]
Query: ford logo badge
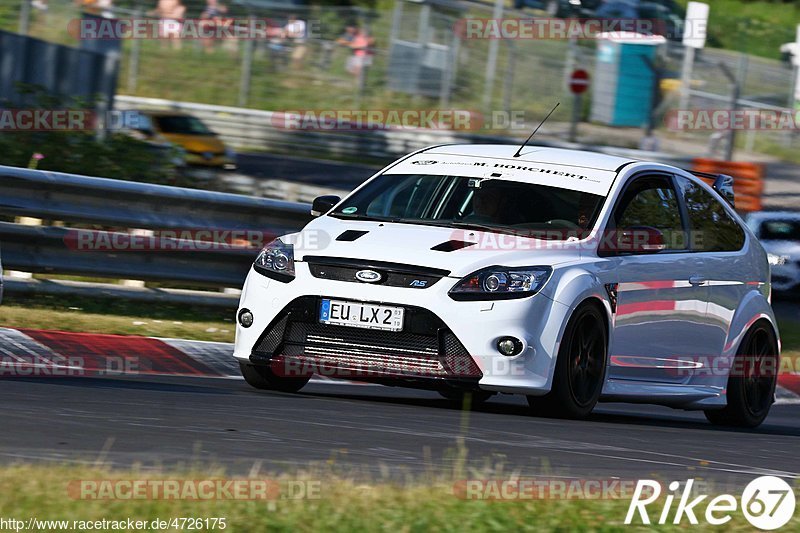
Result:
[368,276]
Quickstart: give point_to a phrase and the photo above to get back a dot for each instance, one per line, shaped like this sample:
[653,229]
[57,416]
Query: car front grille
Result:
[425,348]
[391,274]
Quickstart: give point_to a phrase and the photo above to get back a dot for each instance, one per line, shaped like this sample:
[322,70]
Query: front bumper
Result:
[219,161]
[466,332]
[786,277]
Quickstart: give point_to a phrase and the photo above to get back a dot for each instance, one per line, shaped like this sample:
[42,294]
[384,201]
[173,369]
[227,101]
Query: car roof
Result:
[774,215]
[163,113]
[535,154]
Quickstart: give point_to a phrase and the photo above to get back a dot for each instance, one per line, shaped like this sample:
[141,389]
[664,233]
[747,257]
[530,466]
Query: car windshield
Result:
[181,124]
[780,230]
[485,204]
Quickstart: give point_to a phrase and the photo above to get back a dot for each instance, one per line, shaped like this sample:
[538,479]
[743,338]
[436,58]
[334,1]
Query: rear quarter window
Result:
[711,228]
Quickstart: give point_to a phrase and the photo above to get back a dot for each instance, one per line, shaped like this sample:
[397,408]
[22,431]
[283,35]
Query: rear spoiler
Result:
[722,183]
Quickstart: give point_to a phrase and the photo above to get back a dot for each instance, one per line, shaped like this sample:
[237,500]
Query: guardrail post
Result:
[136,282]
[24,221]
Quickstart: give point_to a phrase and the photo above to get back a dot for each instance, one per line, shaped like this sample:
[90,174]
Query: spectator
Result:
[361,44]
[347,37]
[212,17]
[295,32]
[94,7]
[171,13]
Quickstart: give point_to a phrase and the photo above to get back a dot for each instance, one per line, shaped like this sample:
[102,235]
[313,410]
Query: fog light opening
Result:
[509,346]
[245,318]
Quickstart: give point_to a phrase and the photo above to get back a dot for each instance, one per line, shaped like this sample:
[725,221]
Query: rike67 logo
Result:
[767,502]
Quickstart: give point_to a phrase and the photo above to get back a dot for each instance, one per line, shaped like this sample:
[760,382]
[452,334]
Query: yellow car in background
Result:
[199,147]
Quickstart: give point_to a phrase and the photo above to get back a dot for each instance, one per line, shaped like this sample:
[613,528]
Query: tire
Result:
[750,392]
[580,368]
[262,377]
[477,397]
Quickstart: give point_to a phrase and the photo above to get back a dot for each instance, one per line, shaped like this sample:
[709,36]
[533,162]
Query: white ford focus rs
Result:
[569,277]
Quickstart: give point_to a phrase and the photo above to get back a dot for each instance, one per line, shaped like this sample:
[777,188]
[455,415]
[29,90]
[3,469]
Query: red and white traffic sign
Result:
[579,81]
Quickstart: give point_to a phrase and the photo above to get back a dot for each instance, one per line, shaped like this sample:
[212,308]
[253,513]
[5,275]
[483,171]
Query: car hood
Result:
[427,246]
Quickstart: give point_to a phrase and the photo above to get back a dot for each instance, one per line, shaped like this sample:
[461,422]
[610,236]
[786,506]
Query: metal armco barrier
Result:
[748,183]
[253,129]
[87,202]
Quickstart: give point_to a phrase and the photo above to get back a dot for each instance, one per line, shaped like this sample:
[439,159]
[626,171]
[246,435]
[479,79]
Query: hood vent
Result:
[351,235]
[452,246]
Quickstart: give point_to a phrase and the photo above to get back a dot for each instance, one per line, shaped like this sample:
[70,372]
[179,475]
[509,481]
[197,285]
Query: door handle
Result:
[697,280]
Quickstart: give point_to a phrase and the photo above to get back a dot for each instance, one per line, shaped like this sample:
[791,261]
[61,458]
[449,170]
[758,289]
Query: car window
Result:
[779,230]
[510,206]
[408,199]
[711,228]
[652,202]
[181,124]
[616,10]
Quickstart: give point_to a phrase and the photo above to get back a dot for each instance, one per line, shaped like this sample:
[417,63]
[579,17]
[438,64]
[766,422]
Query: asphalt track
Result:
[157,421]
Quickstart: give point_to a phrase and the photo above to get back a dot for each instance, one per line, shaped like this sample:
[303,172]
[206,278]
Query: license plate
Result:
[361,315]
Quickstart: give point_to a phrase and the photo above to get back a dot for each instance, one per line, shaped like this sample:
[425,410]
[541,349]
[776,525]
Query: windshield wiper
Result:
[368,218]
[483,227]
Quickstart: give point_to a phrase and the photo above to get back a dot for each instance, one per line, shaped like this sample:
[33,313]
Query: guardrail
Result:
[254,129]
[73,206]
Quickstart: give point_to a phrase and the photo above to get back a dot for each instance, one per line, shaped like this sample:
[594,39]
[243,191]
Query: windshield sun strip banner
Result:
[581,179]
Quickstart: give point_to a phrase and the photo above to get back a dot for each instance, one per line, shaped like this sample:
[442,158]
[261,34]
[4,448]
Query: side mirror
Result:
[636,240]
[323,204]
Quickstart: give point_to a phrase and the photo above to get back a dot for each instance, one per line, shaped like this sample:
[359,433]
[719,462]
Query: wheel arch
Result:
[578,287]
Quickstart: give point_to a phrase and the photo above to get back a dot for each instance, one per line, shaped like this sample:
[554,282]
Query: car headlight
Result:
[501,283]
[777,260]
[276,261]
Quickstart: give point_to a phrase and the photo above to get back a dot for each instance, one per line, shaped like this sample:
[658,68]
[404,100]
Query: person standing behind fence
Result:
[346,39]
[171,13]
[295,31]
[212,17]
[361,44]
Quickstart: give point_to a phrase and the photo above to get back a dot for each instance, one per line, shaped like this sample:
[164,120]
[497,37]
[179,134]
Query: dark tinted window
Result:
[524,208]
[651,203]
[780,230]
[711,228]
[181,124]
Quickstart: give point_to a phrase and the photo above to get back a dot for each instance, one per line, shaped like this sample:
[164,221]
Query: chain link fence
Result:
[418,60]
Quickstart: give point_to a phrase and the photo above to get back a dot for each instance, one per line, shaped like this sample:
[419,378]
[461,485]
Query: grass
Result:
[344,503]
[118,317]
[754,27]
